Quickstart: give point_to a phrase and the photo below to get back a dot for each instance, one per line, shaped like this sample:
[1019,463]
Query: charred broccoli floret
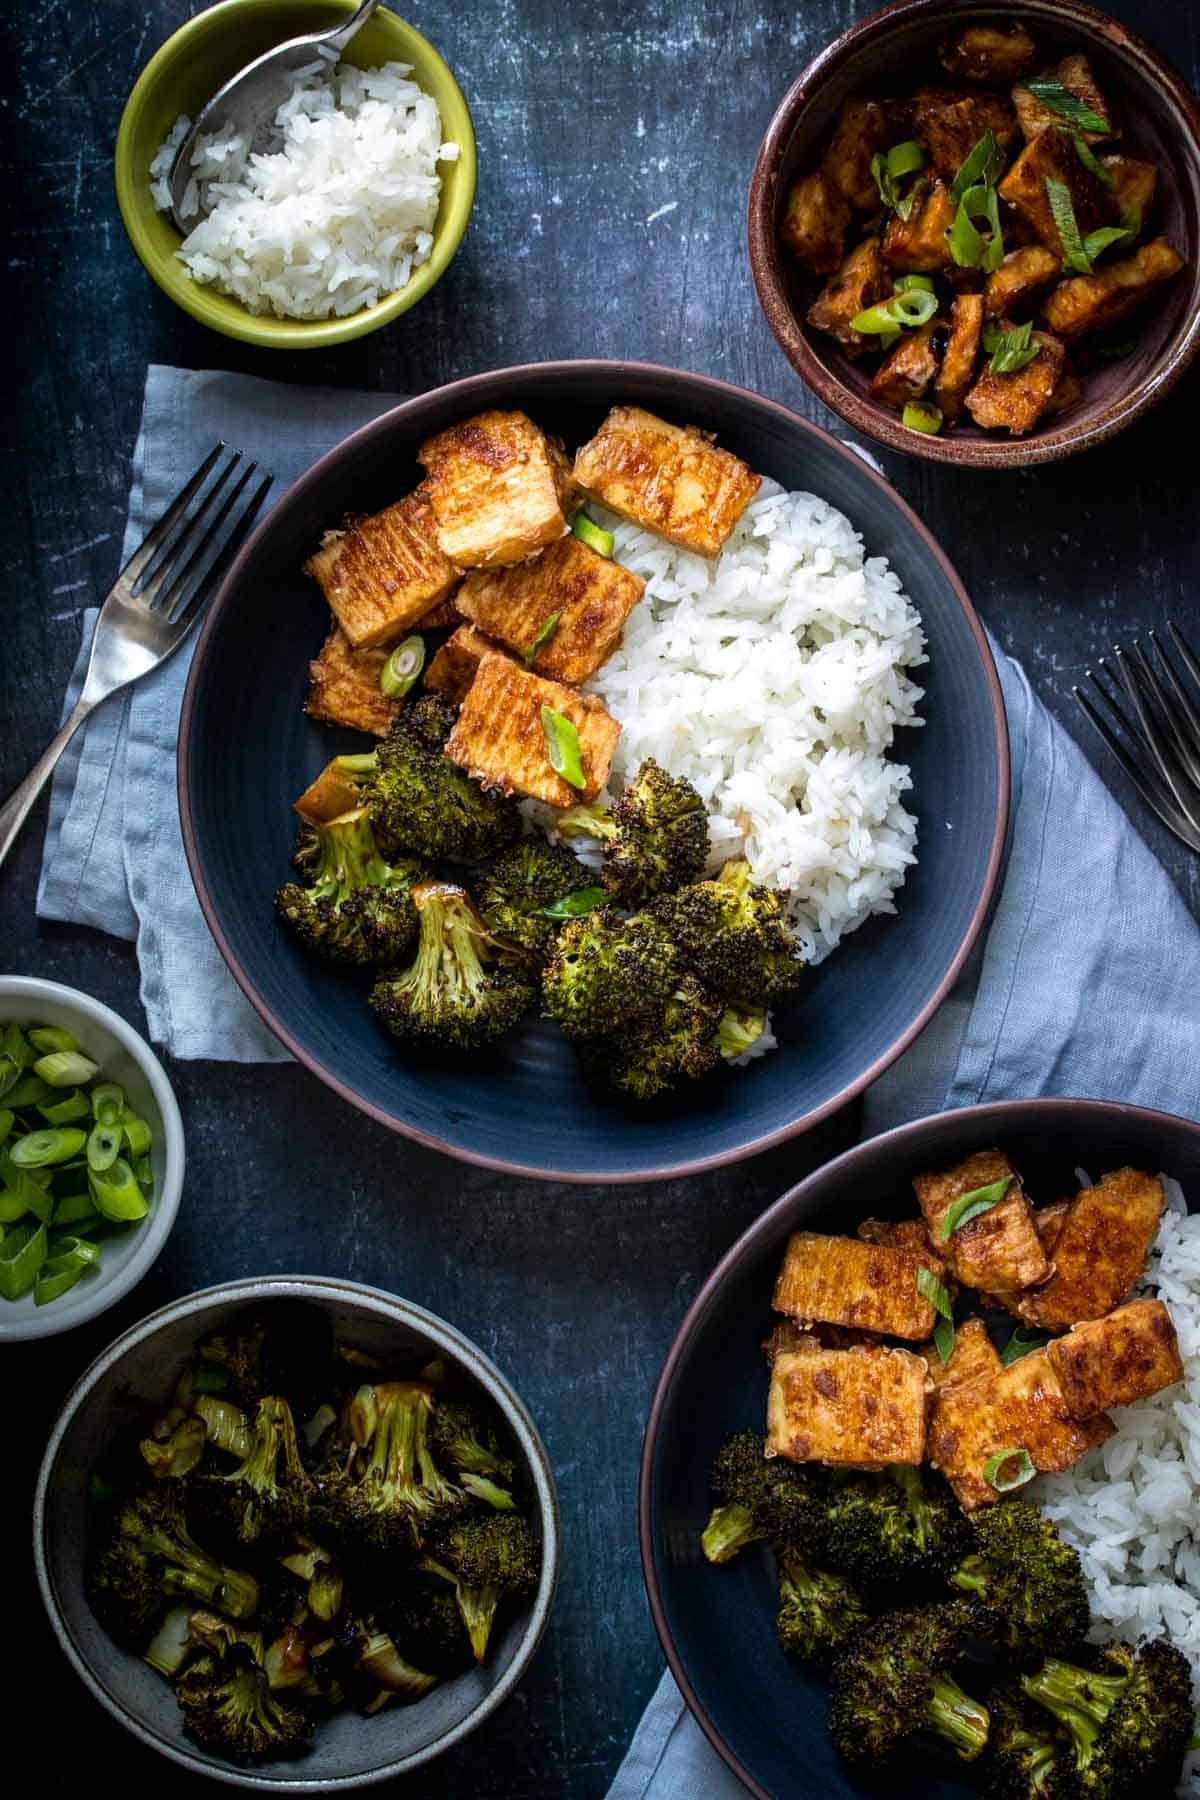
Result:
[426,1626]
[1129,1721]
[423,804]
[491,1561]
[355,907]
[608,975]
[462,1438]
[820,1613]
[449,998]
[763,1497]
[894,1530]
[270,1492]
[895,1681]
[147,1558]
[1027,1757]
[680,1045]
[733,935]
[655,838]
[1027,1588]
[392,1491]
[520,885]
[228,1706]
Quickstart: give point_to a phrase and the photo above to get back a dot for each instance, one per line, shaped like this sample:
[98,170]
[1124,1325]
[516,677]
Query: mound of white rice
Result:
[1130,1507]
[773,677]
[334,212]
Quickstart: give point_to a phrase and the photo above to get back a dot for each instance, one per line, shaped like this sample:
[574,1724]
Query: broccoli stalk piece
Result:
[679,1046]
[394,1490]
[732,934]
[491,1562]
[762,1498]
[448,998]
[355,908]
[147,1557]
[739,1029]
[228,1706]
[270,1492]
[894,1531]
[1129,1724]
[819,1613]
[520,885]
[655,838]
[895,1681]
[1027,1758]
[394,1677]
[1027,1588]
[609,976]
[424,805]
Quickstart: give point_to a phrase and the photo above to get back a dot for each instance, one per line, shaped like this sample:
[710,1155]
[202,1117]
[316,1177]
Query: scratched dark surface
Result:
[615,149]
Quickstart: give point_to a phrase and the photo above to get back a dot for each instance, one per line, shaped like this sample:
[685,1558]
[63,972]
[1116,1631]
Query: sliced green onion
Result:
[889,168]
[1009,350]
[116,1194]
[563,747]
[72,1246]
[1022,1341]
[22,1253]
[906,309]
[943,1339]
[108,1101]
[967,244]
[226,1425]
[1097,242]
[1024,1469]
[969,1206]
[47,1038]
[137,1135]
[31,1090]
[39,1149]
[1067,105]
[62,1112]
[984,164]
[903,283]
[546,631]
[1091,161]
[920,415]
[593,535]
[104,1145]
[55,1280]
[1062,211]
[402,668]
[171,1644]
[25,1190]
[575,905]
[66,1068]
[143,1168]
[933,1289]
[7,1120]
[74,1209]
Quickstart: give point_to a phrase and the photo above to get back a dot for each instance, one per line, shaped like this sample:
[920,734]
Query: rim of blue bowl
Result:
[986,1115]
[465,391]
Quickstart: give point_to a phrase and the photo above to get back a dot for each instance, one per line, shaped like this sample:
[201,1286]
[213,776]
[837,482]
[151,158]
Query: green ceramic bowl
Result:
[189,69]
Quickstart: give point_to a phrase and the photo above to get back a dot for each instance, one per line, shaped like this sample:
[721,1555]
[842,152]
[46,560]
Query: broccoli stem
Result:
[957,1718]
[585,821]
[1078,1699]
[970,1577]
[729,1530]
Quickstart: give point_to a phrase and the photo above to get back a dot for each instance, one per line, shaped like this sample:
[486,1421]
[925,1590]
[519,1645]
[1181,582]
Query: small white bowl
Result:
[126,1058]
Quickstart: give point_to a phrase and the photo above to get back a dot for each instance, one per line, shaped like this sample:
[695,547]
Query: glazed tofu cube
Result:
[861,282]
[842,1281]
[1017,401]
[456,664]
[902,1234]
[671,479]
[918,244]
[1115,1361]
[383,574]
[973,1356]
[814,223]
[1131,190]
[962,353]
[950,124]
[591,595]
[860,1408]
[1075,74]
[499,488]
[1021,277]
[908,370]
[1100,1251]
[499,737]
[998,1249]
[863,128]
[442,617]
[1090,302]
[1051,156]
[344,687]
[1048,1222]
[988,53]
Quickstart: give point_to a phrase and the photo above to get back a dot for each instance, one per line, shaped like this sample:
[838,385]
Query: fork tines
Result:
[183,555]
[1156,738]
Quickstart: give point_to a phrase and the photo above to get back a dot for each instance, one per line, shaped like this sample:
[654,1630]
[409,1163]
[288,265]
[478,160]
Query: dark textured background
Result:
[615,149]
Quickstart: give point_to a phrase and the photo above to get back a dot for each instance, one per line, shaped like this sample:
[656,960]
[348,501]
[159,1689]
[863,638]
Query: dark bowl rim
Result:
[441,1335]
[464,390]
[900,1137]
[864,415]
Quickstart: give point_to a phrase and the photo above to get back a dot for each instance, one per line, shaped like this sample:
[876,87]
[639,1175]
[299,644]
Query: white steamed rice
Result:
[335,211]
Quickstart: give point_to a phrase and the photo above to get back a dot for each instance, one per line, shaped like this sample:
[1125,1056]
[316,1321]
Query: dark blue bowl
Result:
[717,1625]
[247,749]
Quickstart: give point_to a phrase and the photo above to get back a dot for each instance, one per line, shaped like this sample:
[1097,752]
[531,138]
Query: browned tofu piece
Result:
[950,124]
[814,223]
[456,664]
[973,1356]
[864,127]
[842,1281]
[988,53]
[499,738]
[997,1250]
[1021,277]
[1016,402]
[1068,393]
[344,687]
[787,1337]
[918,244]
[499,489]
[862,1408]
[672,479]
[1131,190]
[333,793]
[442,617]
[1114,1361]
[903,1234]
[961,354]
[861,281]
[1021,1407]
[1090,302]
[1049,1221]
[1051,156]
[1100,1251]
[383,574]
[1075,74]
[908,370]
[592,595]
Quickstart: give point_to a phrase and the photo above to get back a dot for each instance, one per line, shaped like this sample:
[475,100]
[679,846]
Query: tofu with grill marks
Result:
[456,664]
[962,353]
[918,243]
[950,124]
[344,687]
[1021,277]
[385,573]
[499,489]
[1075,74]
[591,594]
[973,1356]
[999,1249]
[1128,1356]
[499,738]
[1086,303]
[1052,157]
[1015,402]
[842,1281]
[1101,1250]
[909,368]
[861,282]
[671,479]
[863,1408]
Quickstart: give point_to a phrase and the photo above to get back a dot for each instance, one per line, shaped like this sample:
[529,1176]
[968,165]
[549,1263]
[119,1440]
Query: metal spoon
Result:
[251,98]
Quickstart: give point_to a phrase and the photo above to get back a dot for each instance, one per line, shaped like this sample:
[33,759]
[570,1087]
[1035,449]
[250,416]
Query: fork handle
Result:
[16,808]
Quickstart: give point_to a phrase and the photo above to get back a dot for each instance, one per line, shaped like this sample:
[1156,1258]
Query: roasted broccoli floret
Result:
[894,1530]
[423,804]
[608,975]
[426,1626]
[1129,1721]
[355,907]
[732,934]
[763,1497]
[147,1558]
[228,1706]
[449,998]
[392,1492]
[1027,1757]
[1027,1588]
[820,1613]
[283,1348]
[518,888]
[270,1492]
[895,1681]
[655,838]
[491,1561]
[680,1045]
[462,1438]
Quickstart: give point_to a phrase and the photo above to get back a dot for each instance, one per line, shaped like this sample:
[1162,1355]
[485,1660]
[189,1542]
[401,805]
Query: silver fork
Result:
[154,602]
[1157,741]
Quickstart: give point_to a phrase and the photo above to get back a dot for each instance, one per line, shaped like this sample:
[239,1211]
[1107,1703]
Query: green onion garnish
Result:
[906,309]
[576,905]
[593,535]
[39,1149]
[563,748]
[903,283]
[1021,1343]
[546,631]
[22,1253]
[943,1339]
[116,1194]
[969,1206]
[968,245]
[1097,242]
[919,415]
[402,668]
[1023,1469]
[1067,105]
[984,164]
[931,1288]
[1091,161]
[65,1068]
[1010,350]
[1062,211]
[47,1038]
[889,169]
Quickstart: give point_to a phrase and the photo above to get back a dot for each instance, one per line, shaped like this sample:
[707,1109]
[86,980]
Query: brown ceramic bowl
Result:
[1160,117]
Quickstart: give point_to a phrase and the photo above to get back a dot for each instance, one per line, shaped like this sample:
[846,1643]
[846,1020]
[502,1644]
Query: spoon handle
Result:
[337,40]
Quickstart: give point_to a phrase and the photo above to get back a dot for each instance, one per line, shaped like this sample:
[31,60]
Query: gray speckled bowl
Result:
[137,1372]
